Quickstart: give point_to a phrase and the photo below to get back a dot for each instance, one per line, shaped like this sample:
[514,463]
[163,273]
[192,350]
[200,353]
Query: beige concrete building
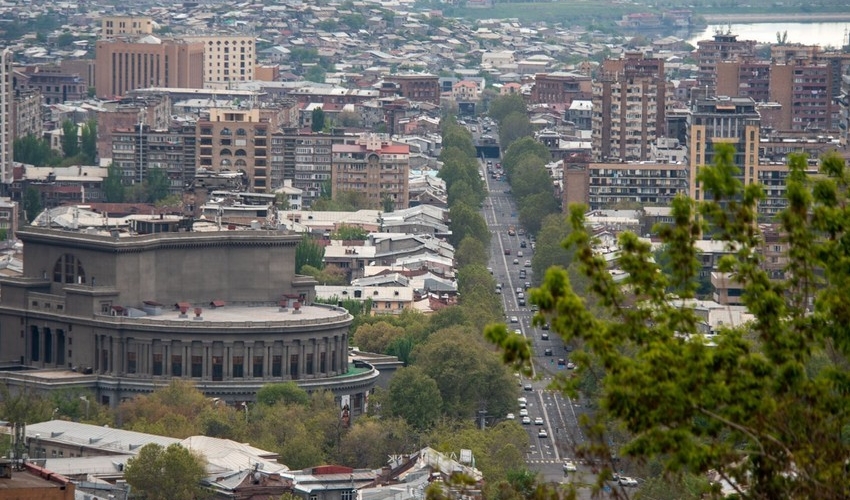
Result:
[114,26]
[374,166]
[129,63]
[227,59]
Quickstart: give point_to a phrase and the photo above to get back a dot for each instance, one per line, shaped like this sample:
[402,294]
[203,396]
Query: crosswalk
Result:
[543,461]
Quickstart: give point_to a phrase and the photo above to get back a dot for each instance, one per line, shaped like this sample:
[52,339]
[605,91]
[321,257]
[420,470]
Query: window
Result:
[68,269]
[238,366]
[308,360]
[323,365]
[277,365]
[258,366]
[131,362]
[197,366]
[345,495]
[157,364]
[177,365]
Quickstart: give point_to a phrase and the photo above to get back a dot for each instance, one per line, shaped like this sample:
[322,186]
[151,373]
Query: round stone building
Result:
[124,313]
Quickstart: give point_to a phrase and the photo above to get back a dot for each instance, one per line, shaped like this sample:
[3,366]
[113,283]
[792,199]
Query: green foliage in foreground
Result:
[768,406]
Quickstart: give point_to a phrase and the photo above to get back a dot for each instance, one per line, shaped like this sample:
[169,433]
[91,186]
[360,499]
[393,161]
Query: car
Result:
[518,290]
[528,387]
[510,416]
[523,412]
[520,295]
[516,261]
[538,421]
[523,244]
[521,400]
[519,253]
[526,420]
[542,433]
[498,291]
[544,336]
[507,251]
[514,319]
[571,366]
[527,263]
[627,481]
[518,331]
[522,406]
[545,326]
[526,285]
[535,307]
[570,466]
[490,270]
[547,351]
[521,302]
[562,362]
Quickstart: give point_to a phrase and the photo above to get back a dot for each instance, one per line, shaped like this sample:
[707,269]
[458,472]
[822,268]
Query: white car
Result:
[538,421]
[526,420]
[521,399]
[514,319]
[518,331]
[542,433]
[570,466]
[627,481]
[523,413]
[510,416]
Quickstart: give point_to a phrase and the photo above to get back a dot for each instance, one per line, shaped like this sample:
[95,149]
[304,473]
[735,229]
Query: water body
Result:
[824,34]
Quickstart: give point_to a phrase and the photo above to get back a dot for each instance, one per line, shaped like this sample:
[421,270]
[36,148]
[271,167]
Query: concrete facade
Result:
[227,59]
[123,315]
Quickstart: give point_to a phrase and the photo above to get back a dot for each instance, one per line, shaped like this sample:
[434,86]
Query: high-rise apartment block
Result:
[129,63]
[227,59]
[723,120]
[304,158]
[374,166]
[136,151]
[630,99]
[7,100]
[723,47]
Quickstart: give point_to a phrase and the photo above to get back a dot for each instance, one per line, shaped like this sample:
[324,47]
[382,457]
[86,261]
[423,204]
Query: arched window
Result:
[225,131]
[241,152]
[225,152]
[240,163]
[69,269]
[240,131]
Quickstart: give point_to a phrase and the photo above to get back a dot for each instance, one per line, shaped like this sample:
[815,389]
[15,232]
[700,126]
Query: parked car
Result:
[510,416]
[627,481]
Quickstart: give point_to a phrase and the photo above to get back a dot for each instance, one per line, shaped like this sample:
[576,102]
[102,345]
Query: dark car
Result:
[547,352]
[507,251]
[544,336]
[562,362]
[523,244]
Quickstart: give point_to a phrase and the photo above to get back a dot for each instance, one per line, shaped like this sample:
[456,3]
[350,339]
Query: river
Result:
[832,34]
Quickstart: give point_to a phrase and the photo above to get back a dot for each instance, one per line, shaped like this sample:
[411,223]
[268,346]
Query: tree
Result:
[70,139]
[534,208]
[415,397]
[32,204]
[318,120]
[514,126]
[30,149]
[309,252]
[387,203]
[285,392]
[503,106]
[88,141]
[170,411]
[346,232]
[766,405]
[113,186]
[157,185]
[172,473]
[471,251]
[466,221]
[376,337]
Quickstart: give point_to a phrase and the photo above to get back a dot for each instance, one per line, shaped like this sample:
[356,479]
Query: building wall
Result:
[112,26]
[423,88]
[28,119]
[227,58]
[644,183]
[7,132]
[124,65]
[234,140]
[374,167]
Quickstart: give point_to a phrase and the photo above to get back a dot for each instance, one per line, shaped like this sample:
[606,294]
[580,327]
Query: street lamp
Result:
[55,411]
[245,405]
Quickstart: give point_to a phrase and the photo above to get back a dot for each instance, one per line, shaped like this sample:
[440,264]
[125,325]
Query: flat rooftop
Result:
[240,313]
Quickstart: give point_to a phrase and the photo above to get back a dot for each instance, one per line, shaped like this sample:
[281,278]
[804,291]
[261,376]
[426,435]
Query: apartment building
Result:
[55,84]
[141,148]
[227,59]
[804,89]
[726,120]
[415,86]
[746,77]
[630,99]
[27,111]
[304,159]
[723,47]
[129,63]
[645,183]
[116,26]
[7,103]
[237,140]
[560,88]
[374,166]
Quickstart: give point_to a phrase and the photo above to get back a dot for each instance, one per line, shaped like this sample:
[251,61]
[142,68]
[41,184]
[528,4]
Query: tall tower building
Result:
[227,59]
[727,120]
[723,47]
[7,129]
[130,63]
[630,101]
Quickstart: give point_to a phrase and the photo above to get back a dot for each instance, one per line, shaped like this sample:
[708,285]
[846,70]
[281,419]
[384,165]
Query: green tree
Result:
[32,204]
[113,186]
[549,250]
[415,397]
[315,73]
[766,405]
[157,185]
[88,139]
[466,221]
[349,233]
[376,337]
[172,473]
[387,203]
[370,441]
[285,392]
[318,120]
[34,151]
[534,208]
[503,106]
[70,139]
[170,411]
[514,126]
[520,149]
[309,253]
[471,251]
